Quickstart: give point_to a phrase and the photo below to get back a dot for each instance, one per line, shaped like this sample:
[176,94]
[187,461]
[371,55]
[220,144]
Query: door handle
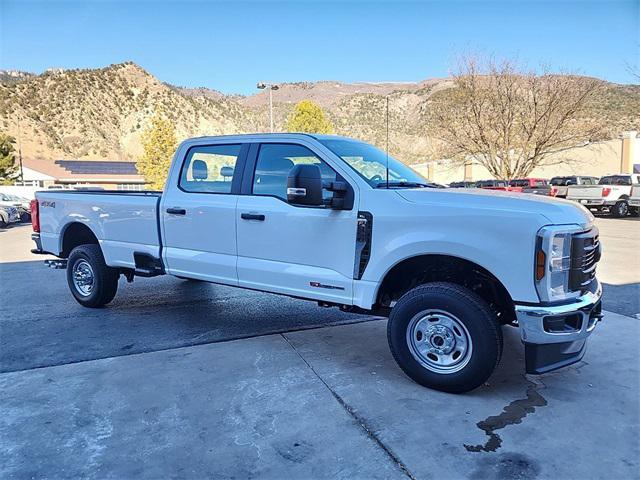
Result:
[252,216]
[176,211]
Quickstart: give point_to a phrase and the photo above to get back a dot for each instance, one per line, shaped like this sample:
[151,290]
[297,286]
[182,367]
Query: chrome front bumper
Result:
[555,336]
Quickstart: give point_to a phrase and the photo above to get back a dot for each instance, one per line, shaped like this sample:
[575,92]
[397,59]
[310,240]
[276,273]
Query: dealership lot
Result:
[184,379]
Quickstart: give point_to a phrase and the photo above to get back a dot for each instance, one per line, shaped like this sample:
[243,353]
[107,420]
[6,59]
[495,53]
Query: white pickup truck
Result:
[634,200]
[612,193]
[318,218]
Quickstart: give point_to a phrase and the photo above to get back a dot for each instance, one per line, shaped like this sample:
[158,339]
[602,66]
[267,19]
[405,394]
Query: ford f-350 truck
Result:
[337,221]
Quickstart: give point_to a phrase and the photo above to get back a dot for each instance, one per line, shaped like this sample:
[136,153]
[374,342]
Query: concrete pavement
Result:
[322,403]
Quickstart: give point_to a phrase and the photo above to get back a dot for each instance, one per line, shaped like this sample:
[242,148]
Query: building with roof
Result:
[107,174]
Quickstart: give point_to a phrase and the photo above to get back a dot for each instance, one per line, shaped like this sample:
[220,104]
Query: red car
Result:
[539,186]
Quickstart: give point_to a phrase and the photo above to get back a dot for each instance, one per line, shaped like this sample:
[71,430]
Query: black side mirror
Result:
[304,185]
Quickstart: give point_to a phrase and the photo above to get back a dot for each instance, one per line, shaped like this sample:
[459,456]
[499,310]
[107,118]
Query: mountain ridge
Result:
[100,113]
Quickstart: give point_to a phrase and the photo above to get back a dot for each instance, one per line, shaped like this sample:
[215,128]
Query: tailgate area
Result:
[586,192]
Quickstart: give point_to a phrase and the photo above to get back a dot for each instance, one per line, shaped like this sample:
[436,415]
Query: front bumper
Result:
[556,336]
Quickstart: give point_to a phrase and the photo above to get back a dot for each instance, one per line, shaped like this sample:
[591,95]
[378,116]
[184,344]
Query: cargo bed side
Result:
[123,223]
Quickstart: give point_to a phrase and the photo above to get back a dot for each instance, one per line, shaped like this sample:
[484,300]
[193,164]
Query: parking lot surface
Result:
[150,386]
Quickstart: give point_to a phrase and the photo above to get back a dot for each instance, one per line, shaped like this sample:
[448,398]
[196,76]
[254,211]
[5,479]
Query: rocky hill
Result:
[101,113]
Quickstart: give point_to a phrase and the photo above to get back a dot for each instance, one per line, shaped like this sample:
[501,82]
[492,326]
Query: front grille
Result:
[585,254]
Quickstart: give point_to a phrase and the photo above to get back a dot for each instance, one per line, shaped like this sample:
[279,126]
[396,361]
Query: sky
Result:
[230,46]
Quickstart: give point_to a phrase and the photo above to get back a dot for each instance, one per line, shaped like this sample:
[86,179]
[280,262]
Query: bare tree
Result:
[511,121]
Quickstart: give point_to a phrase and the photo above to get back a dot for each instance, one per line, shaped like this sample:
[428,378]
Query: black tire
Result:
[25,217]
[104,283]
[3,224]
[467,308]
[620,209]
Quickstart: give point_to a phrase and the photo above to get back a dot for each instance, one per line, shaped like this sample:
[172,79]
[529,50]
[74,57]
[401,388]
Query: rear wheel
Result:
[445,337]
[92,283]
[620,209]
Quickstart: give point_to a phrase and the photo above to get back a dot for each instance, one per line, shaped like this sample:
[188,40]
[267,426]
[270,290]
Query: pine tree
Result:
[7,158]
[308,117]
[159,144]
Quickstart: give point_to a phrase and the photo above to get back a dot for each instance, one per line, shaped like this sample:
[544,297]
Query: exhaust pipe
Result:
[56,264]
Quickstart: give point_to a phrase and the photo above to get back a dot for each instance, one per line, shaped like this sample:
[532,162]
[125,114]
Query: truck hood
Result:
[555,210]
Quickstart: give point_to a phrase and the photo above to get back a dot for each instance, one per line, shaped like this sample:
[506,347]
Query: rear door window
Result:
[209,168]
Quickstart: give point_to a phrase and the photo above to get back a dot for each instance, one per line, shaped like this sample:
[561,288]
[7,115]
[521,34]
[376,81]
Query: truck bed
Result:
[116,218]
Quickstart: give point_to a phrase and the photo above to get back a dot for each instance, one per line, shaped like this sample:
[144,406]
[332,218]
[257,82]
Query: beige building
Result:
[595,159]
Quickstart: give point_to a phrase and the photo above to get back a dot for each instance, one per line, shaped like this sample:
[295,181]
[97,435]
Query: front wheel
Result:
[445,337]
[92,283]
[620,209]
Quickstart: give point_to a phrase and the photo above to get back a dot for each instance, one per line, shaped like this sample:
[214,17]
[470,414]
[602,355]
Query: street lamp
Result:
[271,87]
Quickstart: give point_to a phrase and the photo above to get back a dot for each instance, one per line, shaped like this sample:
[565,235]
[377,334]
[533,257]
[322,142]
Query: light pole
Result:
[271,87]
[20,153]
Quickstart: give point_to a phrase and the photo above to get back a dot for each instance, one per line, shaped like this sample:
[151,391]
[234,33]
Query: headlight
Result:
[553,263]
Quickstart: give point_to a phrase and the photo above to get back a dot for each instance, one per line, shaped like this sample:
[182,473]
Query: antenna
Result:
[387,148]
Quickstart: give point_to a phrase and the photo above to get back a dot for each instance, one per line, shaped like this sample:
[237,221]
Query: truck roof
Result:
[259,136]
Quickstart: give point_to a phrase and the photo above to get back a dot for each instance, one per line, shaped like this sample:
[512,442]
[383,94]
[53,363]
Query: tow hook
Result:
[56,264]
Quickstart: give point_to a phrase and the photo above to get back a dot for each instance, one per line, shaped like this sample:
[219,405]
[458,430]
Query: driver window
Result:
[275,161]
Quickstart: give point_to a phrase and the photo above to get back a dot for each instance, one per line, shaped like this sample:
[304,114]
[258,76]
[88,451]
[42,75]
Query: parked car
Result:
[538,186]
[8,215]
[502,185]
[464,184]
[21,203]
[612,193]
[312,217]
[560,185]
[634,200]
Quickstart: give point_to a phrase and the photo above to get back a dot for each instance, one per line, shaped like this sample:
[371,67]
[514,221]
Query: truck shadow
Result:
[42,325]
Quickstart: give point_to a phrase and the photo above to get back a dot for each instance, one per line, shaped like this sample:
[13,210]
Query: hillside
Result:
[101,113]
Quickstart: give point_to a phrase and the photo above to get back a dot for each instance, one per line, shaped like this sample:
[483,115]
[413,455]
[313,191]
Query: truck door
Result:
[198,214]
[295,250]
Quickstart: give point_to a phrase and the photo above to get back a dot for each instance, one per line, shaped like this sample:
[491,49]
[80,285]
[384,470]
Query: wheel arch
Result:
[418,269]
[75,234]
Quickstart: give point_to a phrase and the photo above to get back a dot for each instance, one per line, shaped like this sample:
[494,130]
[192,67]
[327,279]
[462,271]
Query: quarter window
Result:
[209,169]
[275,161]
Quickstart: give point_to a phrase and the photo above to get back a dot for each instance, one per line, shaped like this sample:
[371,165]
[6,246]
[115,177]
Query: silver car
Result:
[8,215]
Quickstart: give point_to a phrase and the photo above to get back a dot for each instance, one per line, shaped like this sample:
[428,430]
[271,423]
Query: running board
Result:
[147,265]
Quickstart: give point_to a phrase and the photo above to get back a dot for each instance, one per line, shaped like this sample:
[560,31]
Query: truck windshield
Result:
[371,164]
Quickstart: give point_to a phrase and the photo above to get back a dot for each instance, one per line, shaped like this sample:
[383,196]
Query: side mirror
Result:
[304,185]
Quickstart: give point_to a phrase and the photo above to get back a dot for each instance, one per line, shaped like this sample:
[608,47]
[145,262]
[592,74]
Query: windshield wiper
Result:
[405,185]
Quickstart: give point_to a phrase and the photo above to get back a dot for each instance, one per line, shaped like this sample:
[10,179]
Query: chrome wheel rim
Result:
[439,341]
[83,278]
[623,209]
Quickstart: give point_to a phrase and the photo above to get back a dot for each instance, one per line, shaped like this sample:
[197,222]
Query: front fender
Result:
[511,263]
